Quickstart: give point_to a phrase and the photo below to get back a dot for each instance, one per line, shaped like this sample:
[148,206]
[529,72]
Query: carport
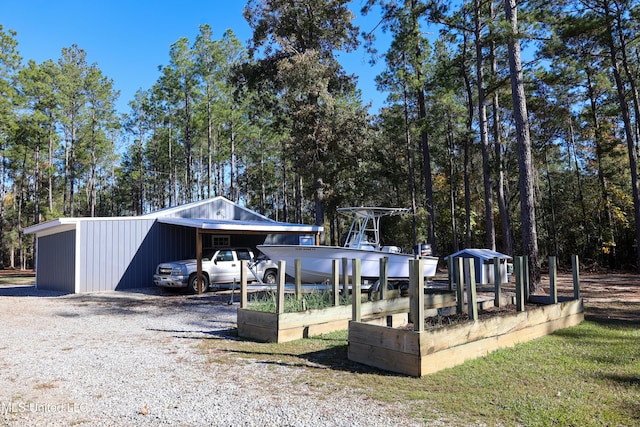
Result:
[205,227]
[76,255]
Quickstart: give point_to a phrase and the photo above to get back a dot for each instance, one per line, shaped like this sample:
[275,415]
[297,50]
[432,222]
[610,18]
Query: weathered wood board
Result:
[421,353]
[272,327]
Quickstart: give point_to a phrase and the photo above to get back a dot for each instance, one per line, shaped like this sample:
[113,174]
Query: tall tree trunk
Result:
[467,144]
[452,192]
[606,229]
[412,179]
[505,219]
[628,129]
[50,160]
[484,134]
[525,158]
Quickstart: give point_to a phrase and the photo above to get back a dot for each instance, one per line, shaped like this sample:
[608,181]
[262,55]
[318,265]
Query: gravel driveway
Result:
[133,358]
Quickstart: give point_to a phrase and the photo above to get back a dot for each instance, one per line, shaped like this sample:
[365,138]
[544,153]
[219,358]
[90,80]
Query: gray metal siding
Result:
[217,209]
[56,262]
[113,251]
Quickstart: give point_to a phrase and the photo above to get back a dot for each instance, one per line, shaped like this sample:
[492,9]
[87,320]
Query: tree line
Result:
[508,125]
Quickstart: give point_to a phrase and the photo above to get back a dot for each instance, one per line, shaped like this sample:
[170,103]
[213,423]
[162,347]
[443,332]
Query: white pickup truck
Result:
[219,267]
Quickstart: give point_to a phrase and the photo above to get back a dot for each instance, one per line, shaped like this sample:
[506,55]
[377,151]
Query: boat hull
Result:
[316,262]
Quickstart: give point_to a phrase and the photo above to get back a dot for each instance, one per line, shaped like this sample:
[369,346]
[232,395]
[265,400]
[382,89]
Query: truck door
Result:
[226,267]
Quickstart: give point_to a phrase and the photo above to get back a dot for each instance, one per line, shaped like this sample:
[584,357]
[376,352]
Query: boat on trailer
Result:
[362,242]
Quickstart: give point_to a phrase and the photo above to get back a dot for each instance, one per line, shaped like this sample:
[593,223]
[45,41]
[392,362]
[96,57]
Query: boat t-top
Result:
[362,242]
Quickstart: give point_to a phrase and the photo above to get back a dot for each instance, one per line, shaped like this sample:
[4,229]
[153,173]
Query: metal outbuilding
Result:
[483,263]
[76,255]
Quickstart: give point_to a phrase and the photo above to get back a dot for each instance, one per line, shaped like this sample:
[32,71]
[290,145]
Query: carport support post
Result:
[416,290]
[335,281]
[243,283]
[553,290]
[199,260]
[497,281]
[575,267]
[384,273]
[298,273]
[355,290]
[280,287]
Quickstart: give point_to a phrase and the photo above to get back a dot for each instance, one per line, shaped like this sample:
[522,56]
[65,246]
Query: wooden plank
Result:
[356,292]
[417,291]
[243,283]
[459,284]
[553,290]
[457,355]
[451,273]
[472,296]
[402,340]
[335,282]
[497,282]
[297,269]
[403,363]
[345,275]
[384,273]
[518,270]
[575,267]
[280,287]
[439,339]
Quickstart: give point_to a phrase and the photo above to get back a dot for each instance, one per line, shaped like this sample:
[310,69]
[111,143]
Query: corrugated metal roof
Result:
[483,254]
[231,225]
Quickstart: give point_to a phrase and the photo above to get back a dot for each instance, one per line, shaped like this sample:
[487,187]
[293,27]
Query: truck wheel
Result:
[270,277]
[193,283]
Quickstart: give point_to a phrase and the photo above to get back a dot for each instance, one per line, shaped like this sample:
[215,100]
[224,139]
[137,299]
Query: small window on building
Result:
[220,241]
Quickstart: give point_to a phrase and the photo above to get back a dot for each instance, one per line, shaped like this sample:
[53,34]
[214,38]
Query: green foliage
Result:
[310,300]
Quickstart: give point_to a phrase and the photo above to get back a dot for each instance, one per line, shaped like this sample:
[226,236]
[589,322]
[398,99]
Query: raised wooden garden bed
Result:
[279,326]
[282,327]
[420,352]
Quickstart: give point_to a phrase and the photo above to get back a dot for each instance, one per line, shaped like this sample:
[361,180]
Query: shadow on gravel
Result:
[225,334]
[28,291]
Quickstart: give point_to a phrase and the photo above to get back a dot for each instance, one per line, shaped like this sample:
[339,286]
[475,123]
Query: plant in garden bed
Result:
[315,299]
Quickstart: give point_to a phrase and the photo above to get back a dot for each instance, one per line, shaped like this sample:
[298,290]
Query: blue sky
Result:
[129,39]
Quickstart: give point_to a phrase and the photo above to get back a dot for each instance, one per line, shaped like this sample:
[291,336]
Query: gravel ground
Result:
[133,358]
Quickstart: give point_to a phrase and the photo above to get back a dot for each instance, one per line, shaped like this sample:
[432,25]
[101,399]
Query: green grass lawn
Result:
[588,375]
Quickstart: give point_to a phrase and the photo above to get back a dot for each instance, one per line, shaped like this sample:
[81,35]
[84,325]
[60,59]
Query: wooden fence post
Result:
[345,275]
[575,267]
[470,278]
[497,281]
[518,271]
[459,274]
[280,287]
[526,278]
[384,280]
[416,267]
[297,267]
[243,283]
[553,289]
[335,281]
[451,272]
[355,290]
